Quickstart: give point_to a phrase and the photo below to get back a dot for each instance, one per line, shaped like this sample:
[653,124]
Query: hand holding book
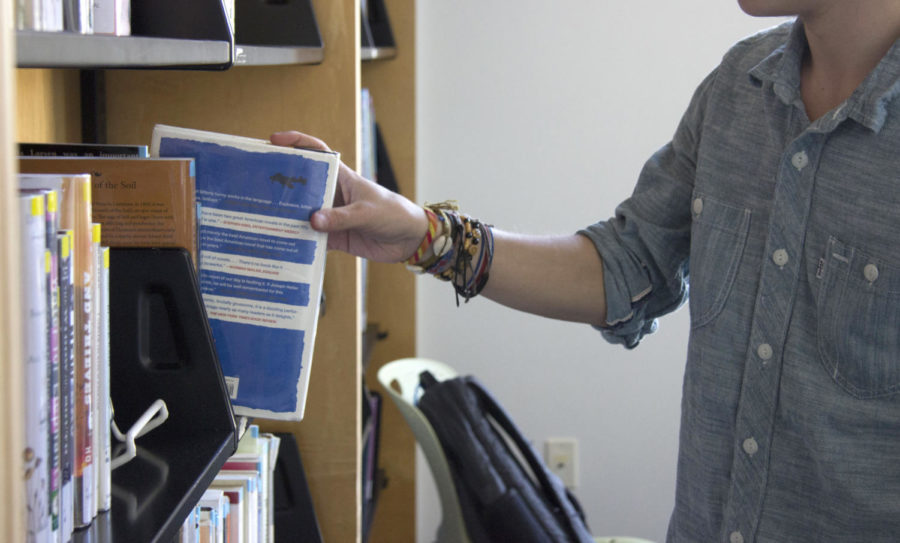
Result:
[367,220]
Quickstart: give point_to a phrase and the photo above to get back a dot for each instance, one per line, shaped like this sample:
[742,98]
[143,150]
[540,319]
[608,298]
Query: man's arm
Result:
[560,277]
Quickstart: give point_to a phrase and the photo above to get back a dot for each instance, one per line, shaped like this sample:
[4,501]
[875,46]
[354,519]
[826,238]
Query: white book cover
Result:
[234,492]
[253,455]
[249,482]
[261,263]
[112,17]
[216,500]
[34,327]
[273,443]
[104,413]
[28,15]
[52,15]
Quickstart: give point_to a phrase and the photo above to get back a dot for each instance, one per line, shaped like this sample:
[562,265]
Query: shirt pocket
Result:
[859,320]
[718,237]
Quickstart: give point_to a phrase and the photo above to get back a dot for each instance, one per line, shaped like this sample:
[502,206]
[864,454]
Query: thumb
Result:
[336,219]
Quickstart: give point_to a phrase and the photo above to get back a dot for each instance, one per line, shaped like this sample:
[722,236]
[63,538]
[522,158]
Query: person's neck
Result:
[846,40]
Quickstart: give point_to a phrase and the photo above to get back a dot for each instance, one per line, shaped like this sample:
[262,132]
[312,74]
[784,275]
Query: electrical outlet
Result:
[561,456]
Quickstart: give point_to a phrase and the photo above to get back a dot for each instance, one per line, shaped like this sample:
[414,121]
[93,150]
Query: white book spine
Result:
[52,15]
[97,361]
[51,266]
[28,15]
[104,451]
[78,16]
[36,361]
[112,17]
[85,506]
[67,384]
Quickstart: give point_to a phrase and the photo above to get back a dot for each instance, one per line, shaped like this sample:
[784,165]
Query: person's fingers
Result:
[338,219]
[292,138]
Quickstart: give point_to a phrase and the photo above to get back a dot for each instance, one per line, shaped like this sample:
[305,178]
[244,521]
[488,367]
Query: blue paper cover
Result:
[261,264]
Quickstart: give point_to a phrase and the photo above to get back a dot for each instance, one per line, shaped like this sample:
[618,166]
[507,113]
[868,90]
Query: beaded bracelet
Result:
[462,252]
[433,223]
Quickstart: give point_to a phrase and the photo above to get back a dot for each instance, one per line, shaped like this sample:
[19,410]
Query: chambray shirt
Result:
[788,233]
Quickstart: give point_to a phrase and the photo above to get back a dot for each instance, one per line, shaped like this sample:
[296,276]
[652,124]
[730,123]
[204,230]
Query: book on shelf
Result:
[141,202]
[234,492]
[104,411]
[53,350]
[248,481]
[107,150]
[261,263]
[214,511]
[75,215]
[66,381]
[78,16]
[41,15]
[258,452]
[51,338]
[112,17]
[28,15]
[33,288]
[100,374]
[189,532]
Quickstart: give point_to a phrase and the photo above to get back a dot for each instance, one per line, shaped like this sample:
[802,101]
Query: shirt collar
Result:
[868,105]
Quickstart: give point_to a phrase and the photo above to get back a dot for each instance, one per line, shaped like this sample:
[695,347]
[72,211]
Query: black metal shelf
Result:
[161,347]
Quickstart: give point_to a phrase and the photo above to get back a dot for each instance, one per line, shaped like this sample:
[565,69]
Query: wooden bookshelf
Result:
[391,288]
[322,99]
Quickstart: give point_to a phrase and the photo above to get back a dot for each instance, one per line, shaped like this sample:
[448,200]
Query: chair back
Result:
[404,374]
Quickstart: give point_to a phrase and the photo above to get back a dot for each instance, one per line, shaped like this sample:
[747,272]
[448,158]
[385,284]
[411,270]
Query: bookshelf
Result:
[298,86]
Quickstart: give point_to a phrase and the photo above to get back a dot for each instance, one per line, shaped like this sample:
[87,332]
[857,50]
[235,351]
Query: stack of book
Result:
[239,505]
[65,286]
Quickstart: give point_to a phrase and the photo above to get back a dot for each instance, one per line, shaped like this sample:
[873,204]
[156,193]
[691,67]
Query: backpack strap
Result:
[562,499]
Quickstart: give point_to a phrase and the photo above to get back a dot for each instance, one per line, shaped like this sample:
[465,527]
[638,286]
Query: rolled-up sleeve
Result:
[645,246]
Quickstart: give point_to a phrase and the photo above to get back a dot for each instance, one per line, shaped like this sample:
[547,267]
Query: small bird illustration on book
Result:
[286,180]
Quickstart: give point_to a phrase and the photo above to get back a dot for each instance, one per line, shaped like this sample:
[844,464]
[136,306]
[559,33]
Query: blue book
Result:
[261,264]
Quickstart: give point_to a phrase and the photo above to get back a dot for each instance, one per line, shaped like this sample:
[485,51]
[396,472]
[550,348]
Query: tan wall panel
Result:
[49,105]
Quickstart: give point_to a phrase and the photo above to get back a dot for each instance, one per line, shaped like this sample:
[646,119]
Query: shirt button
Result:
[780,257]
[697,206]
[736,537]
[764,351]
[871,272]
[800,160]
[750,446]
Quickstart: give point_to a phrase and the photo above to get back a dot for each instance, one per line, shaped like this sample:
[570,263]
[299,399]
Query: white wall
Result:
[537,117]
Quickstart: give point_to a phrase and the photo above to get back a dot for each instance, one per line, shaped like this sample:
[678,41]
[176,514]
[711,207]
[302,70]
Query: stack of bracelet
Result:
[462,249]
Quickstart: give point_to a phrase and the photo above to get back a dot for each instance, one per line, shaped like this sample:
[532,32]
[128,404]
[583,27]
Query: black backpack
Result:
[505,491]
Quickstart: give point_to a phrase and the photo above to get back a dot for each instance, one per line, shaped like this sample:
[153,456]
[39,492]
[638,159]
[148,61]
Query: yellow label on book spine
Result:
[87,192]
[64,246]
[106,257]
[37,206]
[52,204]
[95,231]
[47,261]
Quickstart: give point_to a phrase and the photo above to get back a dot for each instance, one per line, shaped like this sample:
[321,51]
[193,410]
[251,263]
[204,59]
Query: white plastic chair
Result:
[405,374]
